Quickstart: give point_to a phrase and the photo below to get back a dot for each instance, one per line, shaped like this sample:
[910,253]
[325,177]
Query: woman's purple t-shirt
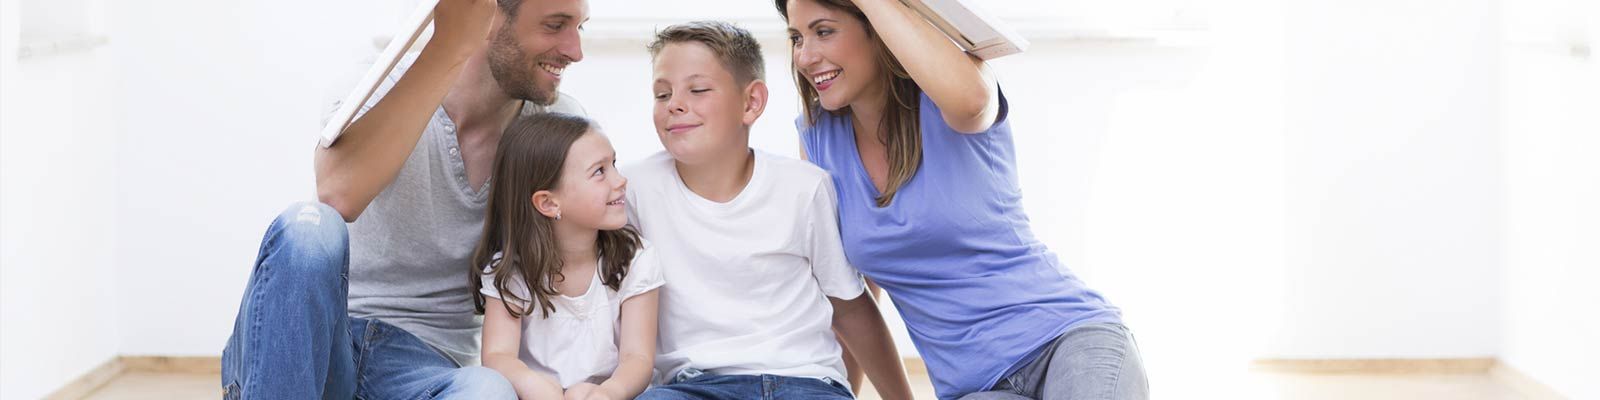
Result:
[954,251]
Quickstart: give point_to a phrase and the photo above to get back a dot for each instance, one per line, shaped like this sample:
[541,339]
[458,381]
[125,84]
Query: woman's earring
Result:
[558,216]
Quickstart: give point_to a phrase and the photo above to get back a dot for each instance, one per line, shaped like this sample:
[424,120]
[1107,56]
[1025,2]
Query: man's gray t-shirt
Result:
[411,249]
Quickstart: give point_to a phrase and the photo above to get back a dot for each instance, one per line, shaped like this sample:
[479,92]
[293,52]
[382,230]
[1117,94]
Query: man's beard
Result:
[514,70]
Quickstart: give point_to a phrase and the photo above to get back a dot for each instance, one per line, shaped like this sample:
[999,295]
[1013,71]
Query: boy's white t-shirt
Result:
[578,342]
[748,276]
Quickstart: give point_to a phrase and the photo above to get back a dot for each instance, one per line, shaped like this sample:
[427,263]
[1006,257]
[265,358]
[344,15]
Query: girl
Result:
[555,224]
[914,133]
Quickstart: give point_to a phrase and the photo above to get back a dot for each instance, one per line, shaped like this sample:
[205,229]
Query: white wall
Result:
[1182,209]
[58,172]
[1394,180]
[220,110]
[1552,137]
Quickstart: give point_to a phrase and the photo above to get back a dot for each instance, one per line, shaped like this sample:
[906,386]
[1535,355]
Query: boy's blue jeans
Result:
[697,385]
[293,338]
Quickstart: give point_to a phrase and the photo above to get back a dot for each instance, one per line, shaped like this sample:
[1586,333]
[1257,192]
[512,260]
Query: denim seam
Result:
[1016,383]
[253,364]
[769,386]
[428,394]
[361,356]
[1116,379]
[840,388]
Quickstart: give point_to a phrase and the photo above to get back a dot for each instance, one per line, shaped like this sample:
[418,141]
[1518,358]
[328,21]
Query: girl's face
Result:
[700,108]
[590,191]
[834,51]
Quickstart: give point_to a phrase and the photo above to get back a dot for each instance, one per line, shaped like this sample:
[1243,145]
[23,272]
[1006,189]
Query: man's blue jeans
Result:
[294,339]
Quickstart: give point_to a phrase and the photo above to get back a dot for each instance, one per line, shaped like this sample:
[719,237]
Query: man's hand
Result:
[582,391]
[463,26]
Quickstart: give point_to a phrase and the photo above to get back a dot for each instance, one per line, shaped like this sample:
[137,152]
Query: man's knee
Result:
[309,239]
[480,383]
[309,217]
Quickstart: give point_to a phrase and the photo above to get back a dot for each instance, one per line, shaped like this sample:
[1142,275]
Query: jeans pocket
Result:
[840,387]
[231,391]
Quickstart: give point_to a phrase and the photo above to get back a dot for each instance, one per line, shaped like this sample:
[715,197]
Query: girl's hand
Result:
[581,391]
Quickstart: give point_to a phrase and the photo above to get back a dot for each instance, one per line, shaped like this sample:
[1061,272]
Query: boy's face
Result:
[701,112]
[529,54]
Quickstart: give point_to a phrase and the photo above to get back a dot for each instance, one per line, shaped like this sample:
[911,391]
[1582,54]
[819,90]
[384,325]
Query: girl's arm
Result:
[866,336]
[502,339]
[967,94]
[637,352]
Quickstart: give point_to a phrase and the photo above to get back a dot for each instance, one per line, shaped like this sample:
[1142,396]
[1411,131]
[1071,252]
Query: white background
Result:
[1247,179]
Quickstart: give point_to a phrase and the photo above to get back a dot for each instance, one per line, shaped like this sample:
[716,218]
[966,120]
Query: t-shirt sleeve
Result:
[1005,107]
[835,275]
[515,284]
[930,112]
[644,274]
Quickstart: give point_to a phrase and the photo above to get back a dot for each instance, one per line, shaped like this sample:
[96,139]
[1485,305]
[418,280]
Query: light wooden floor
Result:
[1464,386]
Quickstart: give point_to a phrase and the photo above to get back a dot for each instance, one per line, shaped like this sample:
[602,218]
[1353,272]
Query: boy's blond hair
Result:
[738,51]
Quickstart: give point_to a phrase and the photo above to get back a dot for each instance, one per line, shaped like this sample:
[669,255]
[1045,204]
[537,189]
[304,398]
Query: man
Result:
[380,308]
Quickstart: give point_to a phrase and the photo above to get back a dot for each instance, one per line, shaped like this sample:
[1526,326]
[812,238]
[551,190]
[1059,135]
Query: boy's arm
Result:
[370,152]
[857,320]
[636,358]
[502,339]
[865,334]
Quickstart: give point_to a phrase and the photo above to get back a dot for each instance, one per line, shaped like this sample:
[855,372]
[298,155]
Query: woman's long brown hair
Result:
[900,130]
[530,157]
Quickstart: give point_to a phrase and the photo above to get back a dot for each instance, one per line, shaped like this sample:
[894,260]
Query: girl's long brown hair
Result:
[530,157]
[900,130]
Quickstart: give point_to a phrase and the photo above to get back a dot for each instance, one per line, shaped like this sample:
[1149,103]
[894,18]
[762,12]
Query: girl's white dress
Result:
[578,342]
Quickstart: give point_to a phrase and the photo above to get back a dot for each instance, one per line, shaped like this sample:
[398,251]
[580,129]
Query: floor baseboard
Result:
[1376,366]
[1523,383]
[89,382]
[99,376]
[169,364]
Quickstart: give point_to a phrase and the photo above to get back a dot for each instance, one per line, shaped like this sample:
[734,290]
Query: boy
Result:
[748,240]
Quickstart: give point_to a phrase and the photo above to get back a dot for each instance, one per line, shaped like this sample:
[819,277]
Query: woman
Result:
[914,132]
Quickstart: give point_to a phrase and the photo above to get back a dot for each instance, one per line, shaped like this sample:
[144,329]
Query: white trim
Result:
[638,31]
[35,48]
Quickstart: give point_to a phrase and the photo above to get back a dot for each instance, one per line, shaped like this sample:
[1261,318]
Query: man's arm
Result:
[369,154]
[867,338]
